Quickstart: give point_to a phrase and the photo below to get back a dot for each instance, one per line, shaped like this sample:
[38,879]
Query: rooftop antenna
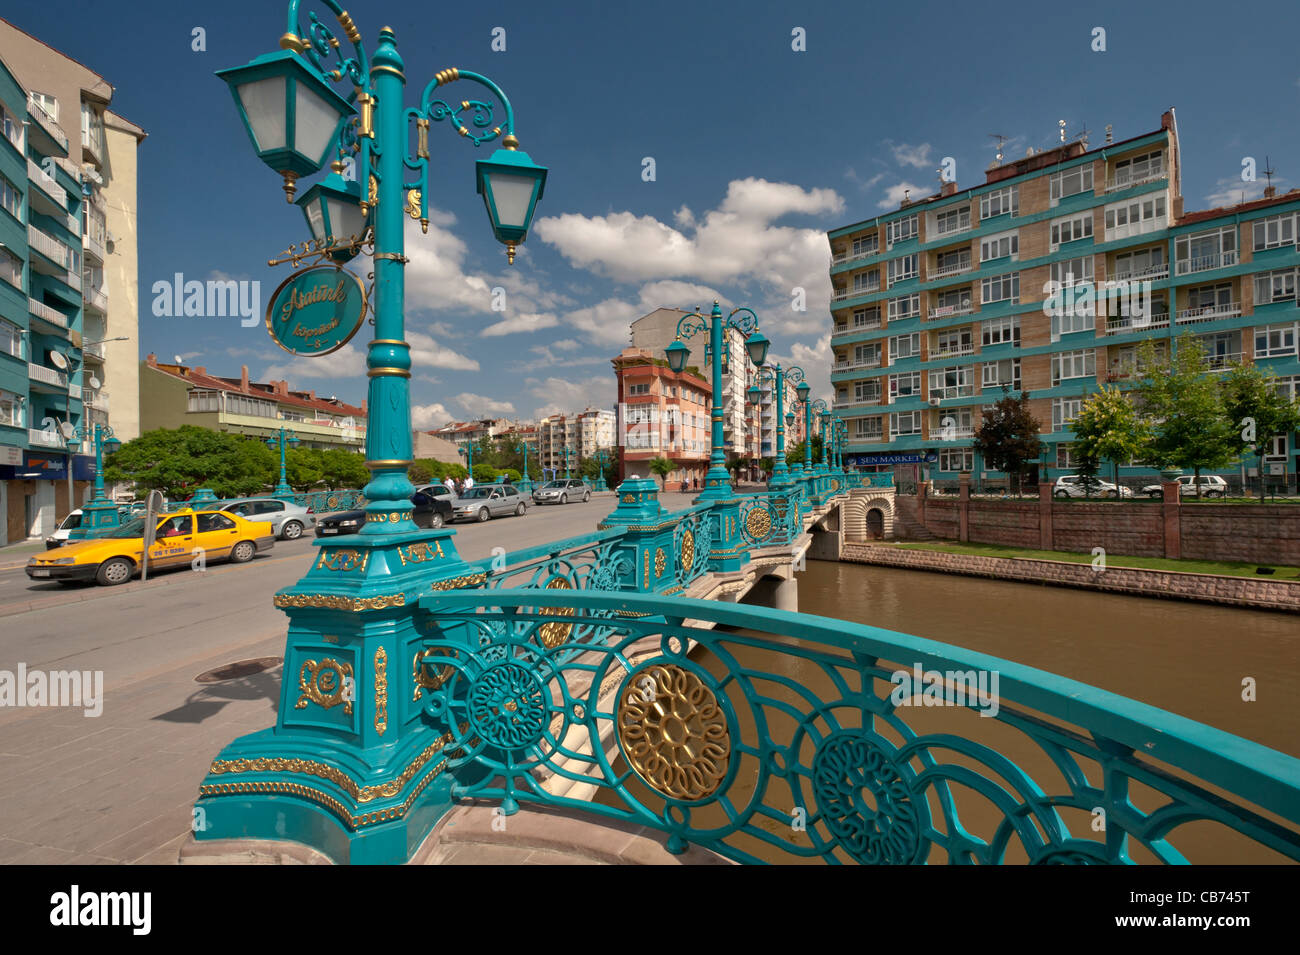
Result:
[1268,171]
[1061,124]
[1110,134]
[1001,142]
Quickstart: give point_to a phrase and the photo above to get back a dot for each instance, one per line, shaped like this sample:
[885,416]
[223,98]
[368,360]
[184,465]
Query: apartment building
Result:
[174,395]
[1047,278]
[68,316]
[661,413]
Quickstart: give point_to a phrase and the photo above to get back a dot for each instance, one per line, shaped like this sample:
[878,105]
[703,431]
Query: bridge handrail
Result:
[1119,732]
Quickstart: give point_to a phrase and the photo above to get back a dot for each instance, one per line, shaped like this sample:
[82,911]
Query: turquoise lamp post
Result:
[567,475]
[803,391]
[352,765]
[100,513]
[717,483]
[467,452]
[525,482]
[775,374]
[285,436]
[600,472]
[818,408]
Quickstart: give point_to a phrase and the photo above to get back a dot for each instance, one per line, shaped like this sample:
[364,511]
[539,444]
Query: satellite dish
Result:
[59,361]
[178,359]
[95,382]
[68,430]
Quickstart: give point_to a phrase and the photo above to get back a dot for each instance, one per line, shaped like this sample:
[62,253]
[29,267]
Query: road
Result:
[118,787]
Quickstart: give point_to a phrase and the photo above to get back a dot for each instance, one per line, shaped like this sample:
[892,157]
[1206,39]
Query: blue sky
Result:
[758,150]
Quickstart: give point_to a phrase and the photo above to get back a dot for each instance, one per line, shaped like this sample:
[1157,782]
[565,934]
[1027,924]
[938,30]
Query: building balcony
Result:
[855,329]
[1207,313]
[44,439]
[97,399]
[93,350]
[1150,273]
[857,403]
[955,269]
[1128,182]
[61,257]
[50,316]
[842,295]
[1203,263]
[96,300]
[949,311]
[868,438]
[49,378]
[848,255]
[92,144]
[48,197]
[92,248]
[1223,362]
[939,433]
[48,132]
[1125,326]
[956,351]
[850,365]
[941,233]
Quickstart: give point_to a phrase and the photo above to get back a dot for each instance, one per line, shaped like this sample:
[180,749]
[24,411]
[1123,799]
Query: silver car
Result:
[563,491]
[288,520]
[485,501]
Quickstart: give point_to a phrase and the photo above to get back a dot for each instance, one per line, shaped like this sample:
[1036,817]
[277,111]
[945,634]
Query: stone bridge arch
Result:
[860,523]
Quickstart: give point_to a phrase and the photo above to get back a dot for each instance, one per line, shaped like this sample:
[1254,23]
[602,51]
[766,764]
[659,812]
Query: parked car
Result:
[430,510]
[60,535]
[288,520]
[1078,485]
[1211,486]
[562,491]
[116,557]
[485,501]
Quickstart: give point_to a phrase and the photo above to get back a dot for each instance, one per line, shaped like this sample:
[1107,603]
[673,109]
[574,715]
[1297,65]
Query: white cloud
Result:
[897,193]
[522,322]
[865,185]
[905,155]
[427,353]
[187,355]
[476,406]
[567,344]
[815,360]
[428,417]
[1231,190]
[562,395]
[348,362]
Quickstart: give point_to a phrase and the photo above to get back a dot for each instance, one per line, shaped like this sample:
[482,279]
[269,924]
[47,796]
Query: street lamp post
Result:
[375,786]
[717,483]
[525,482]
[774,372]
[467,452]
[100,512]
[600,473]
[817,407]
[285,436]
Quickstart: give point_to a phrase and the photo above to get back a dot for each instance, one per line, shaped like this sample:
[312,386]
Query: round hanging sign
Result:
[316,311]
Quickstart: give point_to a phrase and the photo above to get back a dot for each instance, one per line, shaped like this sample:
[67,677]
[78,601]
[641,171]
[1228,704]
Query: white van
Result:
[60,535]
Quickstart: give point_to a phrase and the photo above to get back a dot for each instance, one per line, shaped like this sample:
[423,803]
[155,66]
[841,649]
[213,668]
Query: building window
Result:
[252,407]
[1000,202]
[1289,387]
[1071,182]
[11,339]
[903,268]
[1065,456]
[292,416]
[1137,169]
[11,268]
[11,409]
[1000,331]
[904,422]
[1000,246]
[1001,288]
[866,318]
[904,346]
[1073,364]
[956,459]
[954,220]
[900,230]
[869,429]
[1214,249]
[995,374]
[954,341]
[868,281]
[1275,231]
[865,245]
[1275,340]
[1072,271]
[13,128]
[952,382]
[1065,410]
[907,385]
[204,401]
[868,390]
[46,102]
[1140,264]
[1275,287]
[11,199]
[909,306]
[1071,229]
[1135,216]
[639,389]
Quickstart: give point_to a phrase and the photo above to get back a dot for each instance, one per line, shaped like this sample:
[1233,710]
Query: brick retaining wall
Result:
[1207,588]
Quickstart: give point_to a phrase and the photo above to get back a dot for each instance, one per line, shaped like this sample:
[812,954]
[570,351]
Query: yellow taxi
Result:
[181,537]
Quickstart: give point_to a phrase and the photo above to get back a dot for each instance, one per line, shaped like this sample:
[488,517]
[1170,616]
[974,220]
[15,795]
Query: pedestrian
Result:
[469,481]
[450,484]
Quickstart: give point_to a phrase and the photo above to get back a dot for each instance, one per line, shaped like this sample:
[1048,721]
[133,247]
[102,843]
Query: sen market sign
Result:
[919,457]
[316,311]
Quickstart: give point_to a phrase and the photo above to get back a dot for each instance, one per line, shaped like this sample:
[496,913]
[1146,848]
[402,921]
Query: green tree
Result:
[1108,427]
[1183,402]
[177,461]
[767,464]
[794,455]
[589,468]
[1008,436]
[304,468]
[419,474]
[344,469]
[484,473]
[663,467]
[1258,410]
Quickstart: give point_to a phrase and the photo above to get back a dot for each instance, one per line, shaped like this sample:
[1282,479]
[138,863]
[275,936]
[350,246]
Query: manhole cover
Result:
[238,670]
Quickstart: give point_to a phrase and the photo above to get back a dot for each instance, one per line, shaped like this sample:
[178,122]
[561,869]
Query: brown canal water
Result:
[1188,658]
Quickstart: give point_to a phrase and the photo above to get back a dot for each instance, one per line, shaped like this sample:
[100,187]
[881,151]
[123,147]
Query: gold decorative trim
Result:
[413,199]
[386,517]
[673,732]
[291,41]
[629,498]
[555,633]
[686,557]
[381,690]
[446,76]
[459,583]
[646,577]
[343,559]
[382,68]
[335,602]
[759,523]
[660,562]
[389,463]
[389,341]
[423,682]
[326,685]
[350,28]
[419,553]
[391,257]
[393,372]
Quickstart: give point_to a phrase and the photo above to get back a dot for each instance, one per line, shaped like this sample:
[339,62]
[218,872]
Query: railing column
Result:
[649,534]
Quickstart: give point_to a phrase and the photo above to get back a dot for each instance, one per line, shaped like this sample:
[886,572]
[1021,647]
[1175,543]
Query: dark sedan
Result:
[429,511]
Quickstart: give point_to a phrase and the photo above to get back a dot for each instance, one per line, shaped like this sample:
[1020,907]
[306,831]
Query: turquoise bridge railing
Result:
[415,679]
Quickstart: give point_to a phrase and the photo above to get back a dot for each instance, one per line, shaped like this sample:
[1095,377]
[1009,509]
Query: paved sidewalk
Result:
[17,555]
